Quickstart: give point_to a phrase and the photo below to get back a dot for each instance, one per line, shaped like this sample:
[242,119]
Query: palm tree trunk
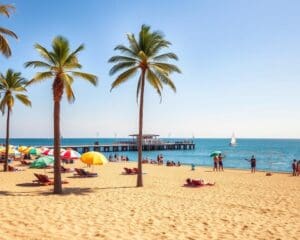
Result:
[140,137]
[7,140]
[57,175]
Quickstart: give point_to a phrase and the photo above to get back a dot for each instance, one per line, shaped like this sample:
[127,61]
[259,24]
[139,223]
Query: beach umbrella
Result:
[34,151]
[11,151]
[42,162]
[70,154]
[43,149]
[50,152]
[215,153]
[22,149]
[93,158]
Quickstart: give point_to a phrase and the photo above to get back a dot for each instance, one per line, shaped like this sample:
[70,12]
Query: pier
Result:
[150,143]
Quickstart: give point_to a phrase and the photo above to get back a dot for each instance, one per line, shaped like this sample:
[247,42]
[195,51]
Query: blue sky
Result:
[240,62]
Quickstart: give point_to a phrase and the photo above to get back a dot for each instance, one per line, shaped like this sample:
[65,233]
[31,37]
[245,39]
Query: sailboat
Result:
[233,141]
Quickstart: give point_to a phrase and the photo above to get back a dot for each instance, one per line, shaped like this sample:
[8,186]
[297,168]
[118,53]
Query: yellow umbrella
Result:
[93,158]
[11,151]
[23,149]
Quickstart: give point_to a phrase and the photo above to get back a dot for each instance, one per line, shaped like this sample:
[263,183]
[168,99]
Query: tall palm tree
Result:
[144,56]
[6,9]
[12,85]
[60,64]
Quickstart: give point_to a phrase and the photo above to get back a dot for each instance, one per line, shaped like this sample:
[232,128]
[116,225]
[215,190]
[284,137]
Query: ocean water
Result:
[271,154]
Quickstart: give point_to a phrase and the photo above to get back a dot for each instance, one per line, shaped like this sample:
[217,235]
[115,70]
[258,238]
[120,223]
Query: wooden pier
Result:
[150,143]
[123,147]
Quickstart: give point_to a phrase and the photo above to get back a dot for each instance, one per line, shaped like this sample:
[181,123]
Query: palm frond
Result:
[120,66]
[23,99]
[167,67]
[68,80]
[41,76]
[164,78]
[126,50]
[72,57]
[37,64]
[45,54]
[123,77]
[61,50]
[6,9]
[133,44]
[8,32]
[93,79]
[154,81]
[115,59]
[4,46]
[165,56]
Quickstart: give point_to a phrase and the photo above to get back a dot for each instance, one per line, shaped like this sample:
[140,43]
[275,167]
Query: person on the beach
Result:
[220,160]
[294,167]
[298,168]
[253,164]
[216,160]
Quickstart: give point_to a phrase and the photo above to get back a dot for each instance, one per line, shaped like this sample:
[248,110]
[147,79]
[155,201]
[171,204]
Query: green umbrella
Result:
[42,162]
[35,151]
[215,153]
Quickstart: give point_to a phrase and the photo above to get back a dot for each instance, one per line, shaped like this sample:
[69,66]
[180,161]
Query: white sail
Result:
[233,140]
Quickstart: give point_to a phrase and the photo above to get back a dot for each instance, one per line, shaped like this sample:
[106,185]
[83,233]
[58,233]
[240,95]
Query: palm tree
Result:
[12,85]
[60,64]
[6,9]
[144,56]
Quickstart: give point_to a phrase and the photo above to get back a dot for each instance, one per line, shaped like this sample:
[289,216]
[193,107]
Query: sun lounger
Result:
[197,183]
[13,169]
[24,162]
[131,171]
[44,180]
[82,173]
[65,170]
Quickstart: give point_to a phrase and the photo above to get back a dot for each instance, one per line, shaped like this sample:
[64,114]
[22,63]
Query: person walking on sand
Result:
[220,160]
[252,163]
[294,167]
[216,160]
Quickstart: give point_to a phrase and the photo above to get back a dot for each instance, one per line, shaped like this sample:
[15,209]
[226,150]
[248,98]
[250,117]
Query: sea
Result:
[274,155]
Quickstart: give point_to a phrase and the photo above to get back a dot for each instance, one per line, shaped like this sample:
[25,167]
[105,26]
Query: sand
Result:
[240,206]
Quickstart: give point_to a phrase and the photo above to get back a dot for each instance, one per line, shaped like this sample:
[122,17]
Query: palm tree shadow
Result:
[28,185]
[6,193]
[107,188]
[72,191]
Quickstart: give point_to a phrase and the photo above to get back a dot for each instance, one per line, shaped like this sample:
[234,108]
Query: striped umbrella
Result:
[70,154]
[50,152]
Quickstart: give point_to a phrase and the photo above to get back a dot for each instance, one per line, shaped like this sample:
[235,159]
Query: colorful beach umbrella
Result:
[215,153]
[22,149]
[70,154]
[34,151]
[11,151]
[93,158]
[42,162]
[50,152]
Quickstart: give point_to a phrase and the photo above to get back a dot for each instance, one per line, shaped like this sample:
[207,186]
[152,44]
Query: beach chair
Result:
[13,169]
[45,180]
[82,173]
[131,171]
[65,170]
[24,162]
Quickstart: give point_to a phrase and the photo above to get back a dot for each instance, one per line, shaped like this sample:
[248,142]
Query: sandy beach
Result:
[240,206]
